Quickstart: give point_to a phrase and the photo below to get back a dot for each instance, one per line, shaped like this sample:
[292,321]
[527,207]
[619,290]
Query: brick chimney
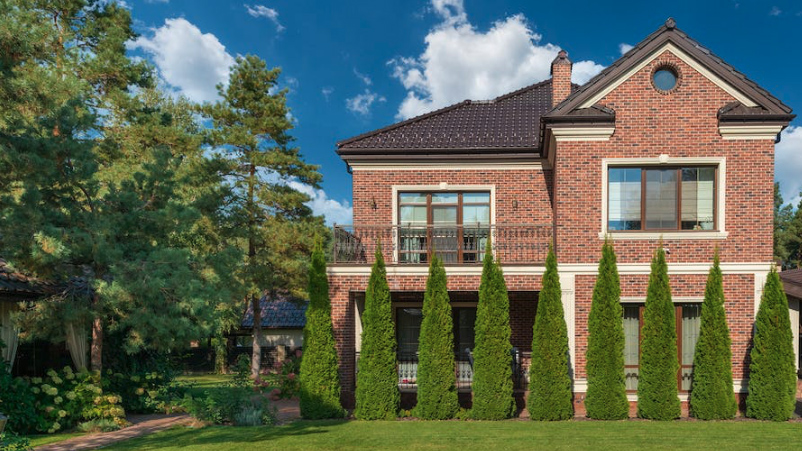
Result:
[560,78]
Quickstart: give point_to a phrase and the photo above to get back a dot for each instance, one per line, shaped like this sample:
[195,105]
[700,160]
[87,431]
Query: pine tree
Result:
[606,398]
[377,396]
[437,391]
[657,379]
[772,374]
[712,395]
[492,360]
[550,396]
[320,380]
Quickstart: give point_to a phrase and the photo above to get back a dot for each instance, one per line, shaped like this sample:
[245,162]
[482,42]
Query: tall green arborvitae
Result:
[712,395]
[549,382]
[772,376]
[320,380]
[657,378]
[606,398]
[437,391]
[377,396]
[492,361]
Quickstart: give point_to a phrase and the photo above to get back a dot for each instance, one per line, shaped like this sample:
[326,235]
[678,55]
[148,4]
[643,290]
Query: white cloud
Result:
[624,47]
[326,91]
[788,164]
[188,60]
[264,11]
[361,103]
[334,211]
[462,62]
[362,77]
[775,11]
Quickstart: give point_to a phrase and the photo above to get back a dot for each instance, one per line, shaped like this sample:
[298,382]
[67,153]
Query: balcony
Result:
[464,245]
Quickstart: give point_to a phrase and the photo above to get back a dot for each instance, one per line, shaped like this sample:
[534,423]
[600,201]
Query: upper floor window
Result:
[652,198]
[453,224]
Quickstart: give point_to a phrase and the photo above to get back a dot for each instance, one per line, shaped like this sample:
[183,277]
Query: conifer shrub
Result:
[549,382]
[319,377]
[712,396]
[437,391]
[606,398]
[377,396]
[659,364]
[492,360]
[772,377]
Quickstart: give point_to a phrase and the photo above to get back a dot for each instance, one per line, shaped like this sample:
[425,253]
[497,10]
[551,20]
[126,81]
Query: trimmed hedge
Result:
[772,378]
[657,379]
[377,396]
[437,391]
[712,396]
[550,397]
[606,398]
[319,378]
[492,360]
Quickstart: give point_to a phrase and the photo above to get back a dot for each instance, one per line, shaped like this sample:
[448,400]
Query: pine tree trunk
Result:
[256,358]
[96,353]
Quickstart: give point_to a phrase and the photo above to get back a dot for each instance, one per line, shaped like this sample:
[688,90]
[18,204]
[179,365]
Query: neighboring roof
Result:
[771,108]
[792,282]
[16,283]
[280,312]
[507,124]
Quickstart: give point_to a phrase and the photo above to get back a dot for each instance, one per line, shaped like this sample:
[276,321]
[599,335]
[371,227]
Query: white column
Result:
[567,284]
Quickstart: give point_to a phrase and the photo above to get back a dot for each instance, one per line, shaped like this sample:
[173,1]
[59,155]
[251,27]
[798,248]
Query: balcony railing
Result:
[414,244]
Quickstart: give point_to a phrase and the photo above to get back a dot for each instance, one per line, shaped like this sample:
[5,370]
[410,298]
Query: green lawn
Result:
[206,382]
[507,435]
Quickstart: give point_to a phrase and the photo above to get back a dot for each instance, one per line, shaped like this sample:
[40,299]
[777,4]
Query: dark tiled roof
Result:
[279,312]
[792,282]
[510,121]
[13,282]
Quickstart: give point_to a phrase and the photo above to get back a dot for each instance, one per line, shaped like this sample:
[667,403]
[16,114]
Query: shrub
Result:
[657,379]
[437,391]
[10,441]
[17,402]
[99,425]
[772,378]
[492,360]
[145,392]
[712,396]
[319,380]
[549,382]
[606,398]
[377,395]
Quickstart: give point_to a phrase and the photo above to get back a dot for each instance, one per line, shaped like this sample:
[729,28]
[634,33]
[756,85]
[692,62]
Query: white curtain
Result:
[8,333]
[77,344]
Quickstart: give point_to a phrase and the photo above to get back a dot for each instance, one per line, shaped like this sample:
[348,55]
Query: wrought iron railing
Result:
[415,244]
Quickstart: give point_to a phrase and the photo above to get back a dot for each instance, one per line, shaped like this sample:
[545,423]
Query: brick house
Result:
[669,141]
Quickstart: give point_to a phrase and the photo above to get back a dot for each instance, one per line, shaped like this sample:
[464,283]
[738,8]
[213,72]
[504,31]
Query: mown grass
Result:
[506,435]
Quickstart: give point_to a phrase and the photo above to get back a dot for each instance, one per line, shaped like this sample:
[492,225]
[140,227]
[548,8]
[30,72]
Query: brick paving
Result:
[141,425]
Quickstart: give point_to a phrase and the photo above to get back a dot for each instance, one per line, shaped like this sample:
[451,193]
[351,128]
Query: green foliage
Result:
[657,379]
[437,391]
[320,380]
[772,375]
[550,397]
[145,392]
[16,402]
[377,395]
[492,360]
[606,398]
[99,425]
[289,380]
[712,396]
[10,441]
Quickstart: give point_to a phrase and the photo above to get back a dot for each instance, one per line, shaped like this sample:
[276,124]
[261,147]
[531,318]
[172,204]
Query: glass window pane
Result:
[444,215]
[661,199]
[475,214]
[691,322]
[624,199]
[406,198]
[444,198]
[476,198]
[413,214]
[698,198]
[408,321]
[631,345]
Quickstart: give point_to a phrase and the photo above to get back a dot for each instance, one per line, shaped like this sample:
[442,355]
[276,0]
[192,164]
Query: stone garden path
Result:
[140,425]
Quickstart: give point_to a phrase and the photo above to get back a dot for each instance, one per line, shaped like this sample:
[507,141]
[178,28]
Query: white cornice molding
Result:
[534,165]
[569,134]
[743,132]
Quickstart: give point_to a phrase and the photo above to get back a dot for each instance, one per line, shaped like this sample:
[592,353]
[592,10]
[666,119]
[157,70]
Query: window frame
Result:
[664,161]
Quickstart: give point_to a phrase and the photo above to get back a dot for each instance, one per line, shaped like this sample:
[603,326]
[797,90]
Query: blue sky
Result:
[354,66]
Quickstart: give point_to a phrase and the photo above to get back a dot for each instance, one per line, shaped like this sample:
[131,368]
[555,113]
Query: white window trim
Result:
[675,299]
[721,187]
[443,187]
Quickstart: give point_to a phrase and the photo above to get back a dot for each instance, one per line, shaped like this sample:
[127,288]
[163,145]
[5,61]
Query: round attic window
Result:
[664,78]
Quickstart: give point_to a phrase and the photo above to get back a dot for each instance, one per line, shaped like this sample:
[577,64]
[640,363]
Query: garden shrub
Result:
[10,441]
[492,360]
[437,390]
[17,402]
[712,396]
[319,381]
[550,397]
[772,374]
[659,364]
[99,425]
[146,392]
[284,381]
[606,398]
[377,396]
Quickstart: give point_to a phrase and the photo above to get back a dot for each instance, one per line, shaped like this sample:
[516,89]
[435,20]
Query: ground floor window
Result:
[687,322]
[408,324]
